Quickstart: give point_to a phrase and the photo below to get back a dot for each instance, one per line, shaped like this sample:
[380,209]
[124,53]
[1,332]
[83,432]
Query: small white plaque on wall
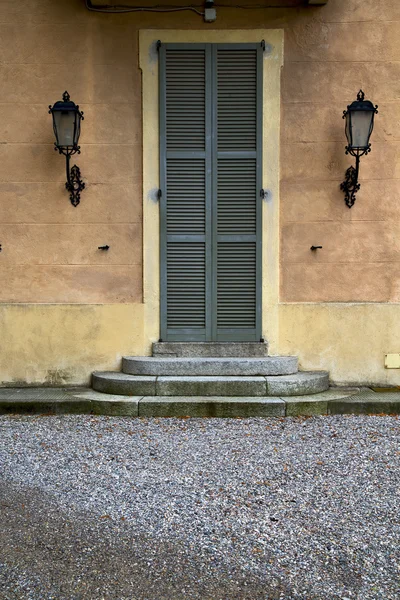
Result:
[392,361]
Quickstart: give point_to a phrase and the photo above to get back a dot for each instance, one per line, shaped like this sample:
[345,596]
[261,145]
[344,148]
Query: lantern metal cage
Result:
[67,128]
[359,118]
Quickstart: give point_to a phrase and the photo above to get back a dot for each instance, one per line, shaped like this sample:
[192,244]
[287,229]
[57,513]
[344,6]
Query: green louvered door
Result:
[210,174]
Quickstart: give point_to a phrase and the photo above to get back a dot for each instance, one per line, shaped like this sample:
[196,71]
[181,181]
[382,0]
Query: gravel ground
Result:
[118,508]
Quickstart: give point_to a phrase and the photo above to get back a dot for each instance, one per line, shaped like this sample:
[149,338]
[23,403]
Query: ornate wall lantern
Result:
[359,125]
[67,128]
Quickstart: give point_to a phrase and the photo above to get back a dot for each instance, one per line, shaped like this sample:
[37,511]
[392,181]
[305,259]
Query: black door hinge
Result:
[158,44]
[263,194]
[159,194]
[263,45]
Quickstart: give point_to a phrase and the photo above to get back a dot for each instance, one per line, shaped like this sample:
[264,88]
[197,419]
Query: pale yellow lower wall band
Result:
[61,344]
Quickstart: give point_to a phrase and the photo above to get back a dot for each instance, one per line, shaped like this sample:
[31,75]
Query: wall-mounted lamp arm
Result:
[74,183]
[350,185]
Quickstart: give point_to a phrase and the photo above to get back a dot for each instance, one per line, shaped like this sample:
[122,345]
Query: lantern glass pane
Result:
[361,121]
[348,128]
[64,121]
[77,128]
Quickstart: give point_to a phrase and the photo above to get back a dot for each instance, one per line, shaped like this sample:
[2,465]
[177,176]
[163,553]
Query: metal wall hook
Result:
[313,248]
[106,247]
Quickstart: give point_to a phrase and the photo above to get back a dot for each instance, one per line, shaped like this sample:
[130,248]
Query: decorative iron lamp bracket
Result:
[358,133]
[350,185]
[74,183]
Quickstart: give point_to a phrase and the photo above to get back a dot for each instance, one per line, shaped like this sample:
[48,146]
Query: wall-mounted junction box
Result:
[392,361]
[210,15]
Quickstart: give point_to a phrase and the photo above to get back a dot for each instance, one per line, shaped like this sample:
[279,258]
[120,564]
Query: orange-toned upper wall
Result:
[344,47]
[50,248]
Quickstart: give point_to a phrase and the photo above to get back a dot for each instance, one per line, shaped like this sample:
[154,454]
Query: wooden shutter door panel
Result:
[210,174]
[237,176]
[185,159]
[186,301]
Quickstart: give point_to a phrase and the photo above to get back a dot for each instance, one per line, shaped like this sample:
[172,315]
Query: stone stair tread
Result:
[210,377]
[211,406]
[303,382]
[112,382]
[208,399]
[183,385]
[119,376]
[229,366]
[298,375]
[211,385]
[72,400]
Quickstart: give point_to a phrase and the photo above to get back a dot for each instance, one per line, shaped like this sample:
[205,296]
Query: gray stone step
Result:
[185,385]
[72,400]
[126,385]
[66,400]
[145,385]
[211,406]
[306,382]
[211,349]
[268,365]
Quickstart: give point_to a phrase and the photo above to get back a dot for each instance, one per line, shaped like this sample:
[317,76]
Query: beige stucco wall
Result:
[352,45]
[68,308]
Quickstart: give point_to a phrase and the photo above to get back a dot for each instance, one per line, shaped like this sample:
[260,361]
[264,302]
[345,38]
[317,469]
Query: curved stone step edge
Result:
[226,366]
[112,382]
[300,384]
[284,385]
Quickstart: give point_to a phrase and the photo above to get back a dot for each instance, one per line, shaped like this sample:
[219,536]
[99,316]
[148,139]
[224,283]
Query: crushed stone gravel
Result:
[220,509]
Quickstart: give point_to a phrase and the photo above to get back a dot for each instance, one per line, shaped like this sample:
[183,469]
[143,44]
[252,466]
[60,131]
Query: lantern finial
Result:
[66,96]
[360,96]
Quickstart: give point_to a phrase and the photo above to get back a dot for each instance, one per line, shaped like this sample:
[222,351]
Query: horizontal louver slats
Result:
[186,196]
[237,195]
[236,190]
[186,272]
[210,181]
[236,285]
[185,100]
[237,99]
